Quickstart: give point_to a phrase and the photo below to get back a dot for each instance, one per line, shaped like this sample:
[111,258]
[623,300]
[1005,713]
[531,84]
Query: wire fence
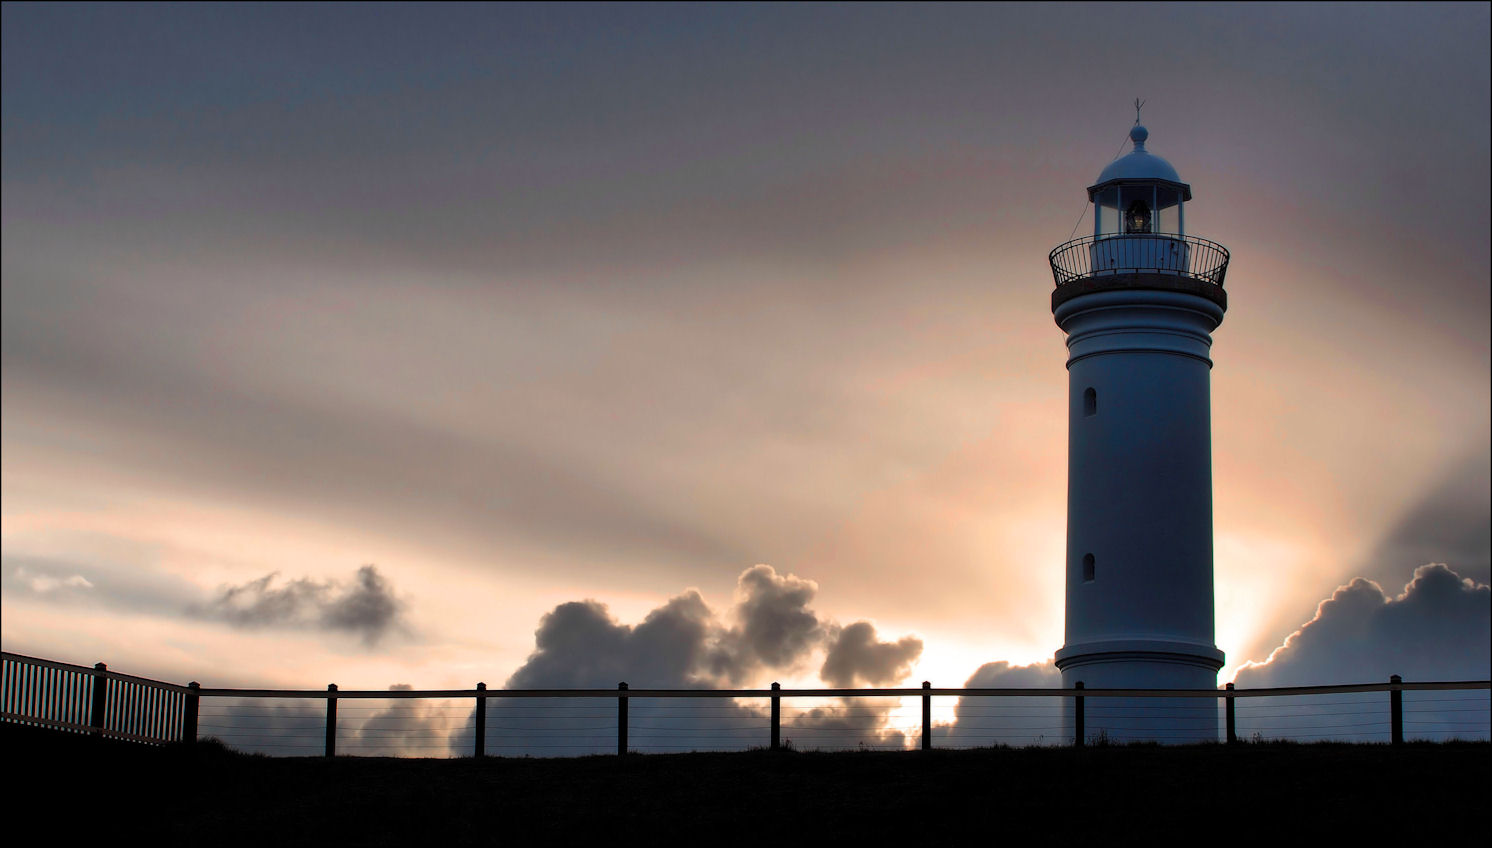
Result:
[559,723]
[1436,716]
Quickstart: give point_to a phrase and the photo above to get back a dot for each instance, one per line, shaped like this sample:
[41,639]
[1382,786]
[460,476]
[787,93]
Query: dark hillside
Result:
[83,788]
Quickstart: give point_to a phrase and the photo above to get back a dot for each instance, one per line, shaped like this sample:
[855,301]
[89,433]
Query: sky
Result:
[712,345]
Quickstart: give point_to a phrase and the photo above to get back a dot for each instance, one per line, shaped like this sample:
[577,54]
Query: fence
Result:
[79,699]
[552,722]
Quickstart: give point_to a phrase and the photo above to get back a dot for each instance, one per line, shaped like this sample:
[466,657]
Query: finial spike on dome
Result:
[1138,134]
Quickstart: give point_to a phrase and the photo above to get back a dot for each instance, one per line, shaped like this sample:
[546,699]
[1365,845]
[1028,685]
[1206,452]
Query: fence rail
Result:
[79,699]
[100,702]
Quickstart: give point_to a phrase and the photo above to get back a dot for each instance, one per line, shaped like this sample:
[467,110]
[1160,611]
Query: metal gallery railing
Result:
[1162,254]
[94,700]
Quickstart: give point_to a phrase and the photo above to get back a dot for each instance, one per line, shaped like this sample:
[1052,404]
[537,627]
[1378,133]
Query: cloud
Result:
[855,655]
[1003,675]
[847,723]
[287,728]
[46,584]
[579,645]
[404,727]
[366,608]
[1436,629]
[774,629]
[769,629]
[109,580]
[980,722]
[683,643]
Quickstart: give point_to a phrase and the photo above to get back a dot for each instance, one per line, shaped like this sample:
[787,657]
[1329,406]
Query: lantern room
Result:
[1139,194]
[1139,235]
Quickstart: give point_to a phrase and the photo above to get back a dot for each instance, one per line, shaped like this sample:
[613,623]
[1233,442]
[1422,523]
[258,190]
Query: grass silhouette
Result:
[1116,793]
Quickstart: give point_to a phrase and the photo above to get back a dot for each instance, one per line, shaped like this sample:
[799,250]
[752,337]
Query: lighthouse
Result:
[1138,301]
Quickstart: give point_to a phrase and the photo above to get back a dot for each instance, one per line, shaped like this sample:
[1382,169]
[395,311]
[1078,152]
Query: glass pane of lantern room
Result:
[1106,210]
[1165,220]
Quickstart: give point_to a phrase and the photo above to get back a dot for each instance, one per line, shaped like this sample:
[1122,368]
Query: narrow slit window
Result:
[1087,568]
[1090,402]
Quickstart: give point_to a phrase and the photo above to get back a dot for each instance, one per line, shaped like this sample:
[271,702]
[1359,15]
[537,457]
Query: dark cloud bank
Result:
[1436,629]
[770,630]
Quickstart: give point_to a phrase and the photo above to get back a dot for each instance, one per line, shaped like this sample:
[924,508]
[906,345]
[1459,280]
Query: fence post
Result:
[776,715]
[189,713]
[1077,714]
[331,720]
[1232,725]
[621,720]
[926,716]
[1396,710]
[481,745]
[100,698]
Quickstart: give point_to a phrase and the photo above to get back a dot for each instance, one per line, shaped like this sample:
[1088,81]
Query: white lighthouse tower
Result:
[1139,300]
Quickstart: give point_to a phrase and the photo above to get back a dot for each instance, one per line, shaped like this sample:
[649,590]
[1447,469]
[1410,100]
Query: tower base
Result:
[1142,664]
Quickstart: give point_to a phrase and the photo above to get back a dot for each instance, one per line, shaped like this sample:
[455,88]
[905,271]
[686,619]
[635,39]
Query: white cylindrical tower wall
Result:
[1139,538]
[1139,466]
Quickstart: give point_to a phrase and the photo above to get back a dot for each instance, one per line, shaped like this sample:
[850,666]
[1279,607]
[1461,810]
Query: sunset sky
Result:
[343,343]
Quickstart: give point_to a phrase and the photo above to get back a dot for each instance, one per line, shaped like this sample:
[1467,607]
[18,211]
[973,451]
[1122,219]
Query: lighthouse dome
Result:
[1139,163]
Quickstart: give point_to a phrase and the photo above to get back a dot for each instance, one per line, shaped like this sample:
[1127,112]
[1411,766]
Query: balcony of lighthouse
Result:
[1161,261]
